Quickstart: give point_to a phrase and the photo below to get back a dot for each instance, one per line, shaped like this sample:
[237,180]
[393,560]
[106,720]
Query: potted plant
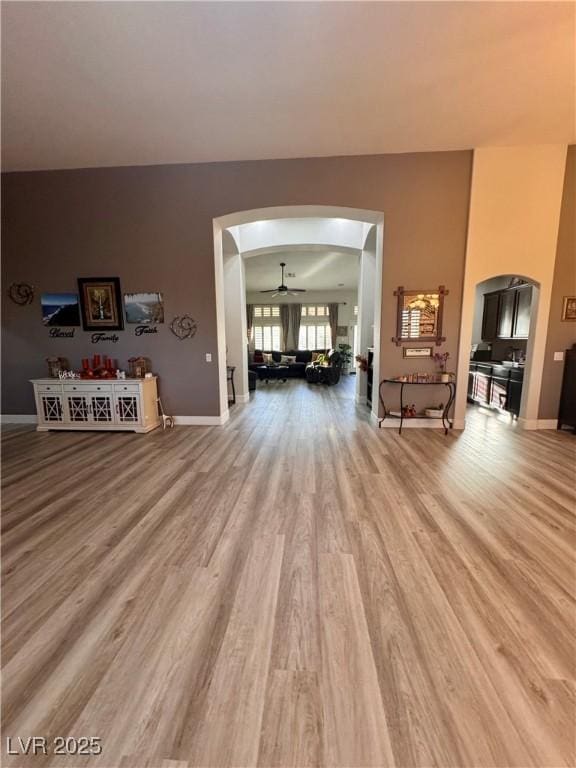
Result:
[346,355]
[441,360]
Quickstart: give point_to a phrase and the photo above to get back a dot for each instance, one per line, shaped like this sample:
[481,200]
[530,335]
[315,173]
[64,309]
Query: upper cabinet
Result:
[490,317]
[507,313]
[521,326]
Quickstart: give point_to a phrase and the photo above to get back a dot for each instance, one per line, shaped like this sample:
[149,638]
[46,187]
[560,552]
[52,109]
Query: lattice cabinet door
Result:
[102,409]
[128,409]
[51,408]
[78,408]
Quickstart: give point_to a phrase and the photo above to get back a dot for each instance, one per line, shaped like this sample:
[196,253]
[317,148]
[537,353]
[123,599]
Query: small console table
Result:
[447,422]
[102,404]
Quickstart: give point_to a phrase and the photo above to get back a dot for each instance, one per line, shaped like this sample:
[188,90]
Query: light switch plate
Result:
[208,357]
[558,355]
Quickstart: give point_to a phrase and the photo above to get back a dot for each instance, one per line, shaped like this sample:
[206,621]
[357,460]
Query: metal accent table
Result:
[447,422]
[230,377]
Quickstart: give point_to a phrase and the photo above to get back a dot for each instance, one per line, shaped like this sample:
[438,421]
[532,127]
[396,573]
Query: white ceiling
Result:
[124,83]
[316,269]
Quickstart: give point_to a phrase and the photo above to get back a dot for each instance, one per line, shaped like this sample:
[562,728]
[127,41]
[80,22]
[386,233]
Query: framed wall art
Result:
[417,352]
[144,308]
[569,308]
[101,303]
[60,309]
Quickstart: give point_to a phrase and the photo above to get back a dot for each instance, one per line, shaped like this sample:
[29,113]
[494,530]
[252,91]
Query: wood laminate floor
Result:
[294,589]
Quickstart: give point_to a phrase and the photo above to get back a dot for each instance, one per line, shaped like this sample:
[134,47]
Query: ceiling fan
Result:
[282,289]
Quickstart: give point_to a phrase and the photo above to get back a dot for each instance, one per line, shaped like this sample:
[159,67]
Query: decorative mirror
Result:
[419,315]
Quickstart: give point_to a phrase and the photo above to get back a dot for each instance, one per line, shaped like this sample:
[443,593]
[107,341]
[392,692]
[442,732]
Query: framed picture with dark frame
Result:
[101,303]
[569,309]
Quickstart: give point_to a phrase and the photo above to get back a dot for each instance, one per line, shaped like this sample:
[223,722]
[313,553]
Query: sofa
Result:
[296,369]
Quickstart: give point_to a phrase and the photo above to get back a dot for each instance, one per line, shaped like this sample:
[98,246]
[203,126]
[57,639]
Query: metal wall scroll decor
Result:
[419,315]
[21,293]
[184,327]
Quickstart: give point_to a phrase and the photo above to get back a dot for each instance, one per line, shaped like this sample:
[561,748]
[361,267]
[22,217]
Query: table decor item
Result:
[138,367]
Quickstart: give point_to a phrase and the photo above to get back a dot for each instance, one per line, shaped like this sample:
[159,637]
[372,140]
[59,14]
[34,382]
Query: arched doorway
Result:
[229,271]
[503,325]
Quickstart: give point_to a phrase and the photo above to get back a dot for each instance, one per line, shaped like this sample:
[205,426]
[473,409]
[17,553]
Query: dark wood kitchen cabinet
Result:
[507,313]
[496,386]
[567,413]
[523,304]
[490,316]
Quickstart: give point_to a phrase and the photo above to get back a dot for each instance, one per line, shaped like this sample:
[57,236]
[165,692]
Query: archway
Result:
[368,226]
[535,343]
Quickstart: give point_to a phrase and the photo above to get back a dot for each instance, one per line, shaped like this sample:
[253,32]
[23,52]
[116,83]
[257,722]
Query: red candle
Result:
[85,363]
[96,361]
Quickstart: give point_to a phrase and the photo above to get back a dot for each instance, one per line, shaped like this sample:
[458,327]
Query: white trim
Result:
[532,424]
[243,398]
[202,421]
[459,424]
[13,418]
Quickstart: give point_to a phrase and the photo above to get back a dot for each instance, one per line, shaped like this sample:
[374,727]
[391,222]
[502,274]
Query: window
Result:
[267,311]
[314,337]
[267,337]
[309,310]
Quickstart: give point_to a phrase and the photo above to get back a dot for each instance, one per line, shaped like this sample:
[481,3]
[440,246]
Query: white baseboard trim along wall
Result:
[218,421]
[538,423]
[15,418]
[192,421]
[201,421]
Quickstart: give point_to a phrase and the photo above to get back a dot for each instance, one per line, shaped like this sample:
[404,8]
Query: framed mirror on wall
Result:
[419,315]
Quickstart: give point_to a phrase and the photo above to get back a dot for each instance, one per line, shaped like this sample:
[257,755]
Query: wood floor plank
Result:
[356,731]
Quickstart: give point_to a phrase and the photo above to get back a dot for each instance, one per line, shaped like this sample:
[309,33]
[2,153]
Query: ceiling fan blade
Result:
[297,290]
[272,290]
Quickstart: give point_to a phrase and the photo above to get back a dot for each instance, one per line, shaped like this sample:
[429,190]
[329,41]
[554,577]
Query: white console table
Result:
[102,404]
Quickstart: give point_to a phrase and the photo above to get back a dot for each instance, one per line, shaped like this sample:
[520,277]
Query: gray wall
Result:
[561,335]
[152,227]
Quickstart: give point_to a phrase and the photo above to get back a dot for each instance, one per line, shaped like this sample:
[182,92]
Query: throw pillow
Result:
[314,356]
[287,359]
[258,356]
[267,357]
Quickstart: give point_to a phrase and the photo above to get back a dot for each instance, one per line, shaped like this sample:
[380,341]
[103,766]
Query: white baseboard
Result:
[412,423]
[14,418]
[202,421]
[537,423]
[243,398]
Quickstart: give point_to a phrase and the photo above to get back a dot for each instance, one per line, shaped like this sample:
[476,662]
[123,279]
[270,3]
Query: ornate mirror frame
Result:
[437,338]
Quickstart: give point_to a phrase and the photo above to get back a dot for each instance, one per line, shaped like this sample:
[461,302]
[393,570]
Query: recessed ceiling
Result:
[318,269]
[132,83]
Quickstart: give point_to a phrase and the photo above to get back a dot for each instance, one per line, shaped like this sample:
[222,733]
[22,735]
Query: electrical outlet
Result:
[208,357]
[558,355]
